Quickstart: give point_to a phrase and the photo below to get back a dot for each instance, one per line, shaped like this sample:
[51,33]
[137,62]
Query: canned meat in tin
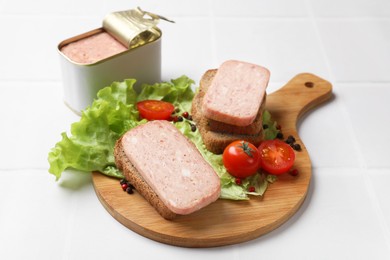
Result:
[127,46]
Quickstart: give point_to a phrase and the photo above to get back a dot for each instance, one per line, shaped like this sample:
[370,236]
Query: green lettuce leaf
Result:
[91,144]
[271,131]
[179,93]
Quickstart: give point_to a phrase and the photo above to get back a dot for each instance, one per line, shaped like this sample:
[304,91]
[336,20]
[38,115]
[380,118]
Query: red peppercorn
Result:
[185,114]
[175,119]
[124,186]
[294,172]
[238,181]
[252,189]
[279,127]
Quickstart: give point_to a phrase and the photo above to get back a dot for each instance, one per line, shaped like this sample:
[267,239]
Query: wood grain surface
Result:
[226,222]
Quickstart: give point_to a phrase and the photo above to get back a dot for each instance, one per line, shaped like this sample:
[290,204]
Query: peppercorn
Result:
[185,114]
[279,135]
[130,185]
[123,181]
[129,190]
[193,127]
[290,139]
[296,147]
[251,189]
[294,172]
[265,126]
[124,186]
[180,119]
[279,127]
[238,181]
[189,117]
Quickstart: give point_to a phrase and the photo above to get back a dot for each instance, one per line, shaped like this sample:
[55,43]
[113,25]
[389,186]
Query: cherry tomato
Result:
[276,157]
[241,159]
[155,109]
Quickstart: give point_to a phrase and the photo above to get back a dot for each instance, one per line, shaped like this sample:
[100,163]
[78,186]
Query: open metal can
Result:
[127,46]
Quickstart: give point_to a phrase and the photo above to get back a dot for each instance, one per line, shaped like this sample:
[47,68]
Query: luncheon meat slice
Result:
[172,166]
[93,48]
[236,93]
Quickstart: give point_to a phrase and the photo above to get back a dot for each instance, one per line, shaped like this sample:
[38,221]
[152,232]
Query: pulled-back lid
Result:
[133,27]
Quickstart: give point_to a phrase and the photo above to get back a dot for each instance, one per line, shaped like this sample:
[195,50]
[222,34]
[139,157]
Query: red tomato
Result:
[241,159]
[276,157]
[155,109]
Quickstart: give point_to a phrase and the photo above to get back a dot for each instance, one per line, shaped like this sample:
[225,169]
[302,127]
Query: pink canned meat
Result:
[172,166]
[93,48]
[236,93]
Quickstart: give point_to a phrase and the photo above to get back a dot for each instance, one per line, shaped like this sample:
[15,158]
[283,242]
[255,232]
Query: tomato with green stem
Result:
[241,159]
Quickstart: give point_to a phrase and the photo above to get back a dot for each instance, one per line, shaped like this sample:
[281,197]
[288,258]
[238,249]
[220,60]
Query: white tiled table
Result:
[347,212]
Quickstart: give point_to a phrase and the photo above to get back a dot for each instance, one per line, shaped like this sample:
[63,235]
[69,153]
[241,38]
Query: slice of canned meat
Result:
[236,93]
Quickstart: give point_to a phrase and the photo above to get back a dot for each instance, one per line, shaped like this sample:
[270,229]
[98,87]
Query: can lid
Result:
[133,27]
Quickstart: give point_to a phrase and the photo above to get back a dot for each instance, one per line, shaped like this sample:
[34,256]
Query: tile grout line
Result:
[363,165]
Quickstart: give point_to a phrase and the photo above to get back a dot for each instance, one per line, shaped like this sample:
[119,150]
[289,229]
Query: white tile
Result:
[259,8]
[350,8]
[36,213]
[171,8]
[380,179]
[186,48]
[324,131]
[357,49]
[336,221]
[100,8]
[39,7]
[32,53]
[285,46]
[367,107]
[33,116]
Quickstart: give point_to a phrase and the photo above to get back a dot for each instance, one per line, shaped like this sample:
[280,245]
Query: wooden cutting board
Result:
[228,222]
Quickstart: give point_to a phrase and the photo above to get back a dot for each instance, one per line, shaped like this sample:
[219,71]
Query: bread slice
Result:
[216,142]
[216,126]
[132,175]
[166,169]
[216,135]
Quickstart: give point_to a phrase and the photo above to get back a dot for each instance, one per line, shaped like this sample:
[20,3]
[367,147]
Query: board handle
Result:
[301,94]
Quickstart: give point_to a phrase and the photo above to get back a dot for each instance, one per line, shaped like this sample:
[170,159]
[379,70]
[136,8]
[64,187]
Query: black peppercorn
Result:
[193,127]
[290,139]
[296,147]
[279,135]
